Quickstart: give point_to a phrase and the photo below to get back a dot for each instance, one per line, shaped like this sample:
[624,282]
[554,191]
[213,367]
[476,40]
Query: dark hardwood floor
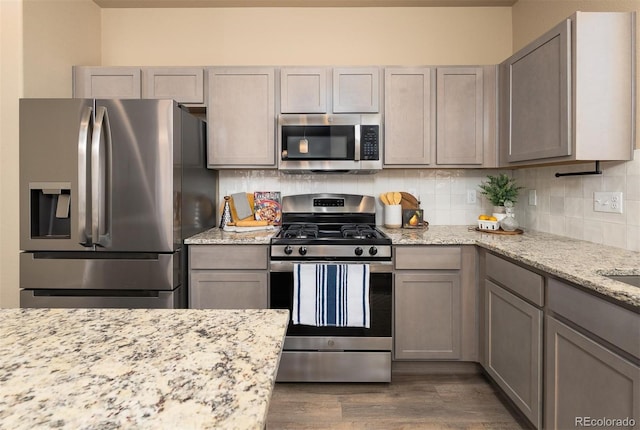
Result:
[409,402]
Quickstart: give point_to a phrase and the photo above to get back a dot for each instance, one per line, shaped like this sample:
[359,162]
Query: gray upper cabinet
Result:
[568,95]
[440,117]
[106,82]
[182,84]
[409,110]
[241,117]
[303,89]
[460,128]
[356,90]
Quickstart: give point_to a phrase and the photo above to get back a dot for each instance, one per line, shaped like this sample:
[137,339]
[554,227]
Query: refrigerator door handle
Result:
[83,140]
[101,180]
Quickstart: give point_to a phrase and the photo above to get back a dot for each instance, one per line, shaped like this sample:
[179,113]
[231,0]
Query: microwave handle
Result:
[356,155]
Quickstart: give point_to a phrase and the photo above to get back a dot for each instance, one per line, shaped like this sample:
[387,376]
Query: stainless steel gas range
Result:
[333,229]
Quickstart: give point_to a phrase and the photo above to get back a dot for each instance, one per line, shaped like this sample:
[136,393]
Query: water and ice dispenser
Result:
[50,211]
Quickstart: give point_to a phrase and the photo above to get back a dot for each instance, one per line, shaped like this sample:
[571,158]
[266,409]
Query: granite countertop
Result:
[217,236]
[144,369]
[578,261]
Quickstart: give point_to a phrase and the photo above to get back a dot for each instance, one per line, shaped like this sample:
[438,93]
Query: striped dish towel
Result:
[331,295]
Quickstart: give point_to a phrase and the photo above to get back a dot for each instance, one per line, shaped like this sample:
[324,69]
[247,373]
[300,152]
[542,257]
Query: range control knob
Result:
[373,250]
[288,249]
[302,250]
[358,251]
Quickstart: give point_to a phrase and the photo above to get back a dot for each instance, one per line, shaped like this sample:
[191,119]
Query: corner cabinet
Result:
[228,277]
[241,118]
[434,304]
[513,298]
[555,91]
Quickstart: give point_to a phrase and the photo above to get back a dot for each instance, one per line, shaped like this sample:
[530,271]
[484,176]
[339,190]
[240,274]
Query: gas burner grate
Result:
[358,231]
[301,231]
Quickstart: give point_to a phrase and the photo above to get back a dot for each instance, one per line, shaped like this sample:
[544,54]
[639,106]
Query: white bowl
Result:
[488,225]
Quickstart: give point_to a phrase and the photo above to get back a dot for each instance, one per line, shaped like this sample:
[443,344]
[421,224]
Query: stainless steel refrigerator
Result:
[109,190]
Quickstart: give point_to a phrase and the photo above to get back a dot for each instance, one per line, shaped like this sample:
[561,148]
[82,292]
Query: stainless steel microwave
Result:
[340,143]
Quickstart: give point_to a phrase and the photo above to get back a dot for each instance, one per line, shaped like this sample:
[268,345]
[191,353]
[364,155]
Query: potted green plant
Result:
[498,189]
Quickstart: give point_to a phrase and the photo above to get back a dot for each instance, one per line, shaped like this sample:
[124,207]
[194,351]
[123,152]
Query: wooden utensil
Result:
[384,199]
[397,198]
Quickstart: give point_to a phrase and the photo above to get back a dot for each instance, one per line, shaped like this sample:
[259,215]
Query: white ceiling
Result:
[301,3]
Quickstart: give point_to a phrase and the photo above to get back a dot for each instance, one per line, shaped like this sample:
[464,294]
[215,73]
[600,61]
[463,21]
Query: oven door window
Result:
[380,304]
[321,142]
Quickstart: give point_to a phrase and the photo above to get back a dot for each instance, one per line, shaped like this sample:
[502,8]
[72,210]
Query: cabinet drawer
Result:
[521,281]
[228,257]
[428,257]
[612,323]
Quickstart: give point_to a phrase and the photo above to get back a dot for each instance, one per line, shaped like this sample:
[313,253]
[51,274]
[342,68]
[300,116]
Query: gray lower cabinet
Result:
[434,303]
[427,316]
[512,324]
[592,360]
[513,348]
[586,382]
[228,277]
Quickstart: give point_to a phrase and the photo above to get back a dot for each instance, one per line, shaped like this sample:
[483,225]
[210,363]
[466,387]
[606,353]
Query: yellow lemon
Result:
[492,218]
[483,217]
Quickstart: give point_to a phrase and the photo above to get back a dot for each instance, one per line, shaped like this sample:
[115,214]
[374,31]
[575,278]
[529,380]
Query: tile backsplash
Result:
[564,205]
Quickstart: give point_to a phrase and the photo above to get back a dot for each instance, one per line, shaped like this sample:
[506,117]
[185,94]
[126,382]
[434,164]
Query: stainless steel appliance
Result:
[333,228]
[339,143]
[108,191]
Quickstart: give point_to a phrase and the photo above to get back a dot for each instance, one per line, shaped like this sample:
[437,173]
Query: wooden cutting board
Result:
[409,201]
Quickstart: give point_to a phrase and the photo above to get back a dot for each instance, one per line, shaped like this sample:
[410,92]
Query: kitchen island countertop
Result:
[146,369]
[577,261]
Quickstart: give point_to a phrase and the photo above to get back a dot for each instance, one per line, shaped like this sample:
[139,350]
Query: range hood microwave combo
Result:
[338,143]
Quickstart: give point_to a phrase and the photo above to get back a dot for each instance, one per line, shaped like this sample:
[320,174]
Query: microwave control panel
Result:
[369,142]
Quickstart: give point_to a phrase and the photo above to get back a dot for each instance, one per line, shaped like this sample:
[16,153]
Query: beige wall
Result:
[548,13]
[305,36]
[39,42]
[10,91]
[57,35]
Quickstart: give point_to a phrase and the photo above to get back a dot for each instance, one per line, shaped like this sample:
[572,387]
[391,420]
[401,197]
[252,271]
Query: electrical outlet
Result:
[471,197]
[607,202]
[533,198]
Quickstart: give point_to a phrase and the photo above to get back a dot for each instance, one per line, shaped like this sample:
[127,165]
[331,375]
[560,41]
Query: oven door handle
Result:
[374,267]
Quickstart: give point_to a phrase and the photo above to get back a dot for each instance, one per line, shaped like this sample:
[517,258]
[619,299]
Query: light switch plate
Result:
[533,198]
[605,201]
[471,197]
